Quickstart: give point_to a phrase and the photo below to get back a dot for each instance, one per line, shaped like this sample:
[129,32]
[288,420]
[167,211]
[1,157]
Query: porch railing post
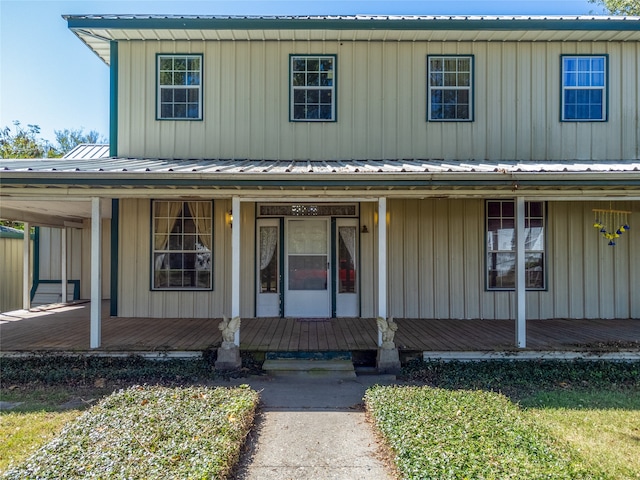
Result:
[382,262]
[96,264]
[235,263]
[521,289]
[26,270]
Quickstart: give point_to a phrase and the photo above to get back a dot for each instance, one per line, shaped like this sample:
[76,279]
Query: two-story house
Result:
[359,166]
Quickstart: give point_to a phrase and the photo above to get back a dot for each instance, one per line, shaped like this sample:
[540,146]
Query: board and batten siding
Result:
[78,256]
[11,271]
[381,103]
[436,264]
[135,297]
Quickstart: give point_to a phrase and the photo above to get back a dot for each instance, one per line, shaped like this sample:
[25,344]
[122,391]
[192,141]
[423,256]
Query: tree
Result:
[68,139]
[21,142]
[619,7]
[24,143]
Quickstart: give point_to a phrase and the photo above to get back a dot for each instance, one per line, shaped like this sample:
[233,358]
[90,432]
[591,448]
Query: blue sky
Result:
[51,79]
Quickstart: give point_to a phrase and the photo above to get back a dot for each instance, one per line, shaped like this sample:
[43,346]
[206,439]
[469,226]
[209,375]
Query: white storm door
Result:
[347,271]
[307,280]
[268,268]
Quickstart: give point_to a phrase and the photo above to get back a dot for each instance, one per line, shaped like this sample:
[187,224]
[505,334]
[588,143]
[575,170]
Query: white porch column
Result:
[63,263]
[26,270]
[521,321]
[96,274]
[235,263]
[382,262]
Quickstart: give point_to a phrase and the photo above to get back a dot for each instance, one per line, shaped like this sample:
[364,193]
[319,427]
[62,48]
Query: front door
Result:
[307,284]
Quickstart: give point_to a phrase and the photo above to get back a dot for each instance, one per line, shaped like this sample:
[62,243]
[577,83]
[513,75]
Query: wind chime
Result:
[611,223]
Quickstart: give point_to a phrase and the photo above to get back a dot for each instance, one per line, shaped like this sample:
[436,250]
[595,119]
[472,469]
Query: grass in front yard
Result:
[446,434]
[513,419]
[603,426]
[22,432]
[149,432]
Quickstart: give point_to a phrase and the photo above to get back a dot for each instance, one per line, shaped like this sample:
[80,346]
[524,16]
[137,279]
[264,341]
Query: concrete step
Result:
[309,363]
[342,368]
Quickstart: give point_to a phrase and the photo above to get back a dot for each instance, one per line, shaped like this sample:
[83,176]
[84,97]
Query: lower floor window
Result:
[182,243]
[501,245]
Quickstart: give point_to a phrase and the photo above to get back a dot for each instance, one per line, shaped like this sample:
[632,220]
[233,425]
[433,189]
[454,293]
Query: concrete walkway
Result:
[312,427]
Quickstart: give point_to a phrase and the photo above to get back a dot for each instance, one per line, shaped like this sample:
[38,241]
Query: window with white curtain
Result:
[501,245]
[347,280]
[268,259]
[182,245]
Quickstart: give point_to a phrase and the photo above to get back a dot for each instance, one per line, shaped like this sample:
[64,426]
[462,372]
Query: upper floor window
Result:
[179,87]
[450,84]
[182,245]
[584,88]
[312,88]
[501,245]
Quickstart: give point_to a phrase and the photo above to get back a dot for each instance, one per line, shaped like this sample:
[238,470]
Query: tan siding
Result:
[425,258]
[436,264]
[50,253]
[136,299]
[381,103]
[85,280]
[11,272]
[248,261]
[368,261]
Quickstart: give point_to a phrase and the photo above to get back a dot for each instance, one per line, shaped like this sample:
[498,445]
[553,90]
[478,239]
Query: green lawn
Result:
[557,420]
[23,432]
[602,426]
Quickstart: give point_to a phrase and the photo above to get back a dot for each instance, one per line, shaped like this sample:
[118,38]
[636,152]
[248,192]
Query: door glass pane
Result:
[307,237]
[307,272]
[346,260]
[268,259]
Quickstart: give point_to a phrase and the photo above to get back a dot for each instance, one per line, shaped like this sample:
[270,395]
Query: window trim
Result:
[334,88]
[605,88]
[153,250]
[471,88]
[201,88]
[545,249]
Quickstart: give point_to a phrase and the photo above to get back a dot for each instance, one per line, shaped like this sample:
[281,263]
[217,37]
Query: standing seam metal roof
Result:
[296,167]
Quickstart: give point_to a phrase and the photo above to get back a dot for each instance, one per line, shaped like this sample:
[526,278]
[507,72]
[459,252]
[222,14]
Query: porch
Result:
[66,328]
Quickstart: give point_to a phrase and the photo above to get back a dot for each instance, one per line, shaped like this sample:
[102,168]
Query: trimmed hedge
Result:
[150,432]
[446,434]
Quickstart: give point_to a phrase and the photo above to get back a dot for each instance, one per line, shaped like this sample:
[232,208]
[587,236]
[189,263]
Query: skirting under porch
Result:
[66,328]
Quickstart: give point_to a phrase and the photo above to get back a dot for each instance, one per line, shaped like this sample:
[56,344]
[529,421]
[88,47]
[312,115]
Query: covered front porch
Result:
[66,328]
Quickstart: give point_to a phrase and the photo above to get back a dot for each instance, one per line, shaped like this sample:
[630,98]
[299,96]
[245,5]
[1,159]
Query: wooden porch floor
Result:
[66,328]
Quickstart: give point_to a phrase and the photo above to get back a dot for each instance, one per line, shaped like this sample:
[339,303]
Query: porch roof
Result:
[57,191]
[82,164]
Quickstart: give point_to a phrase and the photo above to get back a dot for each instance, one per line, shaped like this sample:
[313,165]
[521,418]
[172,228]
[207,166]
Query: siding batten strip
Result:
[382,262]
[96,266]
[26,253]
[235,263]
[521,321]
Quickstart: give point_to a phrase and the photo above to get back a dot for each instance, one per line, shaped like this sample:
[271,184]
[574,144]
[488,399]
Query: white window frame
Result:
[296,89]
[201,257]
[439,83]
[493,246]
[188,82]
[583,79]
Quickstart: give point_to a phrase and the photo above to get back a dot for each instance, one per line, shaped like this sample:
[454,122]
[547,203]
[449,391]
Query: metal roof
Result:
[88,151]
[287,168]
[98,30]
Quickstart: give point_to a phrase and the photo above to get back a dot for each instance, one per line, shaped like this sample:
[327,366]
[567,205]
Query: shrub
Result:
[525,377]
[150,432]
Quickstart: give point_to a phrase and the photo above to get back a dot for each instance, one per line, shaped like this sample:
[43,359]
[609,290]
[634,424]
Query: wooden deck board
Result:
[67,328]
